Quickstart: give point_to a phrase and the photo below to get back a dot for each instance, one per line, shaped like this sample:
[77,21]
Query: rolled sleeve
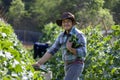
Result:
[82,50]
[55,47]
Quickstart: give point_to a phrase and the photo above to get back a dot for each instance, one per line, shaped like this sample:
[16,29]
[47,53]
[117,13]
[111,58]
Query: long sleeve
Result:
[55,47]
[82,50]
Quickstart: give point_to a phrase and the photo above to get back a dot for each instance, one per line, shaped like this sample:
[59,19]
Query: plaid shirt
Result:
[61,43]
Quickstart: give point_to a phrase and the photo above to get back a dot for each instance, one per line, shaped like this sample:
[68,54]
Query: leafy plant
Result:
[15,61]
[103,54]
[74,40]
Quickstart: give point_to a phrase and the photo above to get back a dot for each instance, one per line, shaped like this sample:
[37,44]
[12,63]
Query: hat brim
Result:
[59,22]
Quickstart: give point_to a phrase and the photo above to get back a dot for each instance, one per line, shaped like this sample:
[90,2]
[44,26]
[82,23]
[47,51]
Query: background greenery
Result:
[94,17]
[34,14]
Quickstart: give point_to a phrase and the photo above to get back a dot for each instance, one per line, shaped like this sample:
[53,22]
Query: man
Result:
[73,57]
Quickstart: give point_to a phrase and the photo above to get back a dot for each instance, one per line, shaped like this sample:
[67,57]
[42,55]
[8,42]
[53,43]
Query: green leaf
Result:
[18,68]
[6,78]
[113,70]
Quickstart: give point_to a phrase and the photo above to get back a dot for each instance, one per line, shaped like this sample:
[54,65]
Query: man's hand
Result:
[42,60]
[36,66]
[69,45]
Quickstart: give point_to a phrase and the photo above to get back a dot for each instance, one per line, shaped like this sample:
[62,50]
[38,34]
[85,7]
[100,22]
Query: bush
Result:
[15,61]
[102,61]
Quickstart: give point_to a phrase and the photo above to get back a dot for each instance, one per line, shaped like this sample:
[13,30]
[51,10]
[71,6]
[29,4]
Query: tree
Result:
[87,12]
[113,6]
[94,14]
[16,11]
[110,4]
[116,12]
[42,11]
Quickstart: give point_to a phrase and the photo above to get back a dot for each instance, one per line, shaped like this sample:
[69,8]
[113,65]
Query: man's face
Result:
[67,24]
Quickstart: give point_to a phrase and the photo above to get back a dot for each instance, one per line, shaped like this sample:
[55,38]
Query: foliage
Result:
[74,41]
[16,12]
[113,6]
[116,13]
[15,61]
[37,13]
[43,11]
[110,4]
[16,9]
[50,32]
[94,14]
[103,54]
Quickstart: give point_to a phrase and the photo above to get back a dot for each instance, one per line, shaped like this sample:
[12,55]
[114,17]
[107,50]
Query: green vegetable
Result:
[74,41]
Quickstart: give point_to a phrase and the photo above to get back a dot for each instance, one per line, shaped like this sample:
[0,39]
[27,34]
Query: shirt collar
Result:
[72,31]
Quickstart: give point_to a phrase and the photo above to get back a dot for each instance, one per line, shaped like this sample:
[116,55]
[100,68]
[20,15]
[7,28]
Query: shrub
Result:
[15,61]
